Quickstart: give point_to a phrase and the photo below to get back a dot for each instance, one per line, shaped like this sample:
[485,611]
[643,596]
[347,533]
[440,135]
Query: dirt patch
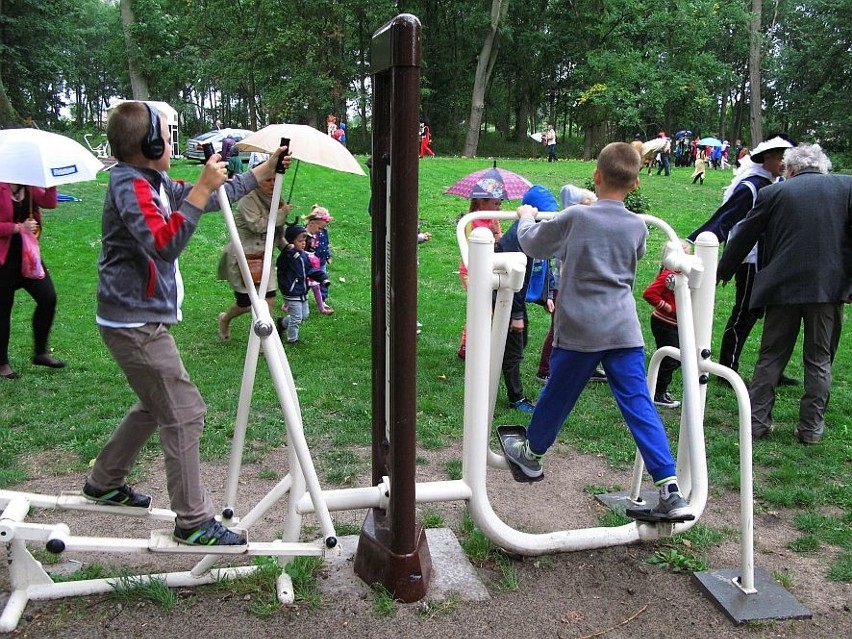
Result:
[611,592]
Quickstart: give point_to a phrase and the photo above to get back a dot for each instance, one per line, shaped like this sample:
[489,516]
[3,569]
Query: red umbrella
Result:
[491,183]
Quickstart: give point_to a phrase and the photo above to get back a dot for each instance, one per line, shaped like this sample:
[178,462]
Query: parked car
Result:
[193,145]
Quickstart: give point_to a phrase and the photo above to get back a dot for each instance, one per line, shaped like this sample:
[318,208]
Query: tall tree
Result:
[754,62]
[138,81]
[8,115]
[484,69]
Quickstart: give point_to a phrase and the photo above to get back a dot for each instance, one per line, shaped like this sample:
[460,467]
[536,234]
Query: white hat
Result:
[769,145]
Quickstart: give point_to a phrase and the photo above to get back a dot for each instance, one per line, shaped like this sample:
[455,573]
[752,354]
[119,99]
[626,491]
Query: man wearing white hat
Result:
[762,168]
[805,279]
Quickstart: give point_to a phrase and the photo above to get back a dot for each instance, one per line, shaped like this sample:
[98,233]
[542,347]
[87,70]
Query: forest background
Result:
[493,70]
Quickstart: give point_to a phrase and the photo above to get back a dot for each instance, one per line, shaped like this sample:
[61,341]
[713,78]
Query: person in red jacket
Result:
[660,295]
[20,212]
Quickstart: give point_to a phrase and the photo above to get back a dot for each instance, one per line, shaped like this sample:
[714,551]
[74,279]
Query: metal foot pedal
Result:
[645,514]
[77,501]
[508,435]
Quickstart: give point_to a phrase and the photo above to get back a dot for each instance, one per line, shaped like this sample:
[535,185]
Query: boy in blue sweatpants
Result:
[596,321]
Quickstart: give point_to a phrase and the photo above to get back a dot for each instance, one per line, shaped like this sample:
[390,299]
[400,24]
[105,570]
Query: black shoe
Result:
[806,437]
[121,496]
[598,376]
[212,533]
[48,360]
[787,381]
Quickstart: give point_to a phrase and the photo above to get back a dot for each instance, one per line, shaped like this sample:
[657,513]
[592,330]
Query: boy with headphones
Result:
[148,219]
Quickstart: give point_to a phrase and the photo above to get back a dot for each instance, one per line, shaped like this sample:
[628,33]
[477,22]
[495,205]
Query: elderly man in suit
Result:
[806,224]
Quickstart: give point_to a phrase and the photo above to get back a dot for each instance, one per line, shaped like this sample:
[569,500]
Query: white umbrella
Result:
[306,144]
[40,158]
[535,136]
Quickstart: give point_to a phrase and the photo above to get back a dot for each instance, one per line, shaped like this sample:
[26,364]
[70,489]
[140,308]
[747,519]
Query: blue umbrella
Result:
[709,142]
[682,133]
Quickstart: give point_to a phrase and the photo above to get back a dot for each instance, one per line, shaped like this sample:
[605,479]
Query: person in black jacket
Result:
[294,268]
[765,165]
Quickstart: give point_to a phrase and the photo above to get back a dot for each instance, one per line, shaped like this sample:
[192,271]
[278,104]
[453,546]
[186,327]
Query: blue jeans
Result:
[297,309]
[625,370]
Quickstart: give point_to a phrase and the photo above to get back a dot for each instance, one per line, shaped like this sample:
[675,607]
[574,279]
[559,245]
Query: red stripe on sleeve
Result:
[162,230]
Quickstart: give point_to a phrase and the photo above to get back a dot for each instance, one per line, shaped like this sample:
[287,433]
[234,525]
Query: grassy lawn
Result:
[56,421]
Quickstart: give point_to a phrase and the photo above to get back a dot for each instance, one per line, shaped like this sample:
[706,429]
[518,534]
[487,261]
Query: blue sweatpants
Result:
[625,371]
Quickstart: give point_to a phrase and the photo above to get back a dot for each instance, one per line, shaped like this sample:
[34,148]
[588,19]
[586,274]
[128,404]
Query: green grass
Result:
[132,589]
[56,421]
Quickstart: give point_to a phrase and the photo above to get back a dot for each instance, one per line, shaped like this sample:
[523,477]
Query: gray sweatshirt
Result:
[599,245]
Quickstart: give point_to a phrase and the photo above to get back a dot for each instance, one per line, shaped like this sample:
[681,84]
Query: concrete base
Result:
[770,601]
[619,502]
[452,573]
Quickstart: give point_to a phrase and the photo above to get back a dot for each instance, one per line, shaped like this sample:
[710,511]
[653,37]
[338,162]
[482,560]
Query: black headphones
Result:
[153,145]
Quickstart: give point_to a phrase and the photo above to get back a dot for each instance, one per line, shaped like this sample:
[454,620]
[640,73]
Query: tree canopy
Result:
[599,70]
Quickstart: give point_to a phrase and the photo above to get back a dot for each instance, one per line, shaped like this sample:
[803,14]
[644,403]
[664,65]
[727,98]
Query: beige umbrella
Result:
[307,144]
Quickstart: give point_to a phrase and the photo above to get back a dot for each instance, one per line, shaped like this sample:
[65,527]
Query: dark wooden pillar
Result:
[392,549]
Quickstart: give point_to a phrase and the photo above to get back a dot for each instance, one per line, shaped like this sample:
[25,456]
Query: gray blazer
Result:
[806,224]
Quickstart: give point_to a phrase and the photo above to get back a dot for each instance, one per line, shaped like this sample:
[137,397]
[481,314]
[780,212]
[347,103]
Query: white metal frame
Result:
[488,271]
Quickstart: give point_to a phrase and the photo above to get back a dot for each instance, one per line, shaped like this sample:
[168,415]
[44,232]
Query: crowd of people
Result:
[591,248]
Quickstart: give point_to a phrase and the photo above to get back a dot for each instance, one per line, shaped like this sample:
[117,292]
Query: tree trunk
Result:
[484,68]
[8,116]
[754,60]
[138,82]
[737,131]
[522,119]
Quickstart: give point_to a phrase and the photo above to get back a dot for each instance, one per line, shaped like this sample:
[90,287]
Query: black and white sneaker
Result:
[665,400]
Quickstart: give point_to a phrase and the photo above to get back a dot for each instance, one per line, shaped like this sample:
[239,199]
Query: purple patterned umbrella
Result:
[491,183]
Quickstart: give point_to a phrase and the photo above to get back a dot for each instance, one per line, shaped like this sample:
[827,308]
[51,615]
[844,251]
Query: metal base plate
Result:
[770,601]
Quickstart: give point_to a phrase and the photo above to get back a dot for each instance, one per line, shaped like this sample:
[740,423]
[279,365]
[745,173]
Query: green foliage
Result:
[453,468]
[432,519]
[129,589]
[383,602]
[677,561]
[841,568]
[611,519]
[598,71]
[700,538]
[429,609]
[783,578]
[303,571]
[477,547]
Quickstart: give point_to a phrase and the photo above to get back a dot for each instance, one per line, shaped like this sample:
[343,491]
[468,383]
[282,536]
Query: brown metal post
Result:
[392,549]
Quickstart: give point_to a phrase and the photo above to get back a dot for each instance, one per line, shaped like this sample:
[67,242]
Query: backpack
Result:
[538,289]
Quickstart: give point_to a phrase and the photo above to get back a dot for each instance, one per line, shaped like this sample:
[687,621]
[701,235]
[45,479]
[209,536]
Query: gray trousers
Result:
[822,323]
[168,402]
